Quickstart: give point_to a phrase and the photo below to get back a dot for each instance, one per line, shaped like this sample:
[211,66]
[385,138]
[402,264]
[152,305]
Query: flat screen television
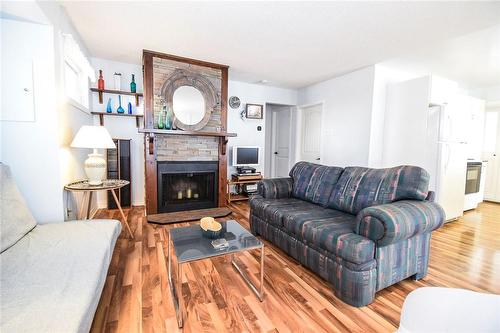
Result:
[245,156]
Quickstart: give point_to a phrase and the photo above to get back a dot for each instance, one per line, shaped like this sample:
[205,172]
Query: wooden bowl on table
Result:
[210,228]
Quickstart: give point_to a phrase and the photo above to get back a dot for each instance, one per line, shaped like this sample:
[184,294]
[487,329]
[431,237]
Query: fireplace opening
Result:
[187,185]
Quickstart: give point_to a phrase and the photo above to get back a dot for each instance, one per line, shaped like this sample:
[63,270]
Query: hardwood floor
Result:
[136,297]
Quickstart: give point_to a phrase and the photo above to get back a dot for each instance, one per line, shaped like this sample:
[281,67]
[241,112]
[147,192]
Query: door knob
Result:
[318,159]
[275,153]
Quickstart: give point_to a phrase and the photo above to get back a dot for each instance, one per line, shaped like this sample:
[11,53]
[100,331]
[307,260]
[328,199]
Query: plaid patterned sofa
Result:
[361,229]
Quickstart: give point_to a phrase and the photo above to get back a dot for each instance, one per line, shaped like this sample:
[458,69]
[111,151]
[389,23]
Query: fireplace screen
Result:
[186,186]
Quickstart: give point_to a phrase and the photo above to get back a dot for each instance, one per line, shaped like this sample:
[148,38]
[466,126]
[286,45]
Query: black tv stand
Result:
[244,170]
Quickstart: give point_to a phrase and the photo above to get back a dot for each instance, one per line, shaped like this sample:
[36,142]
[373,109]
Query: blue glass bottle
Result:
[109,107]
[120,109]
[129,107]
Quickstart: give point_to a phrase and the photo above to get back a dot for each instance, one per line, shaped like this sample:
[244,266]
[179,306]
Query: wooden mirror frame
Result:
[182,77]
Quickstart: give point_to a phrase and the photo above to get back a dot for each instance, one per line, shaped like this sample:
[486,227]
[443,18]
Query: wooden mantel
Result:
[150,132]
[222,135]
[180,132]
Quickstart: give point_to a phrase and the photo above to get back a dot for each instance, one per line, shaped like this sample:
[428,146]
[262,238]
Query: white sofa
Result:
[449,310]
[51,275]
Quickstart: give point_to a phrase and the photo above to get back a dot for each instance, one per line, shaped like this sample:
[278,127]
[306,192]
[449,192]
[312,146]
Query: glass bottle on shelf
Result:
[120,109]
[100,82]
[109,107]
[161,115]
[132,84]
[129,108]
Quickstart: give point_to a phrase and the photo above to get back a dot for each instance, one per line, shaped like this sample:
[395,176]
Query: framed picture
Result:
[254,111]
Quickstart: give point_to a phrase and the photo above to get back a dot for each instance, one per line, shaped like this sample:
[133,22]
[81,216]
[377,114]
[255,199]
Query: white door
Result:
[311,134]
[491,153]
[281,142]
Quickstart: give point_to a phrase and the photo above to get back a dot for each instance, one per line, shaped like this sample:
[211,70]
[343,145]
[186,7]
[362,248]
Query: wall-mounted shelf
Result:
[116,92]
[102,114]
[181,132]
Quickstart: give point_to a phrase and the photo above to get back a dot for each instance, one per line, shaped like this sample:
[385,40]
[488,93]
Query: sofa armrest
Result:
[400,220]
[275,188]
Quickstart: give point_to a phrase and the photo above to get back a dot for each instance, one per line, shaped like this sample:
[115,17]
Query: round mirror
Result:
[189,105]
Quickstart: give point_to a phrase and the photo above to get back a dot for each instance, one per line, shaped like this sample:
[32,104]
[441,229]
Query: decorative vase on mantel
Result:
[168,118]
[161,115]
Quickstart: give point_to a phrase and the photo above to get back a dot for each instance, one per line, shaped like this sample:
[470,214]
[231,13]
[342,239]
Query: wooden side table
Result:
[238,182]
[88,190]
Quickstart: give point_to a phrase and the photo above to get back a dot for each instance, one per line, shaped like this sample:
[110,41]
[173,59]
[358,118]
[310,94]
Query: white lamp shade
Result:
[93,137]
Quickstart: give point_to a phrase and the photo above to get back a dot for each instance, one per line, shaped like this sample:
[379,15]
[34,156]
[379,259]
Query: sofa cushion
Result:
[53,277]
[314,182]
[273,210]
[359,187]
[15,218]
[330,230]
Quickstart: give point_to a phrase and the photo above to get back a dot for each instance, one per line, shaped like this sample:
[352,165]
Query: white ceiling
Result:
[291,44]
[472,59]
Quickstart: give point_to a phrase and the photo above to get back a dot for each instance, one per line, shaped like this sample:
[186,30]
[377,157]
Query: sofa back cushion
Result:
[15,218]
[314,182]
[359,187]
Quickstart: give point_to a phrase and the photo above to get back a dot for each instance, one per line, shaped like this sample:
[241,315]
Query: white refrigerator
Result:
[424,125]
[447,158]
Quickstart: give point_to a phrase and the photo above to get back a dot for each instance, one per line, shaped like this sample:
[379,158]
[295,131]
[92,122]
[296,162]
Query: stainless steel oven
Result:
[473,179]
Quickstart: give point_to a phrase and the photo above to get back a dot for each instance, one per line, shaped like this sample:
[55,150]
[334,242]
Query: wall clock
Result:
[234,102]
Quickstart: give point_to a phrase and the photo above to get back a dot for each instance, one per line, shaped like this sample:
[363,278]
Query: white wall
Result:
[383,77]
[123,128]
[347,112]
[248,135]
[28,147]
[38,151]
[71,115]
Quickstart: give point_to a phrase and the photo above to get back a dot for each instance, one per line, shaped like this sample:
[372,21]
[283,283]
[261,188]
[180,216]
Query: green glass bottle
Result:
[161,115]
[168,118]
[132,84]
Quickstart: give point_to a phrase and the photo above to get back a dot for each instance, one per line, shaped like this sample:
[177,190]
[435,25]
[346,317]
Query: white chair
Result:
[432,309]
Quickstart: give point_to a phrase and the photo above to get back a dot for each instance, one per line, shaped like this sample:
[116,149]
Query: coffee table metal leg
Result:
[260,291]
[261,273]
[175,289]
[180,315]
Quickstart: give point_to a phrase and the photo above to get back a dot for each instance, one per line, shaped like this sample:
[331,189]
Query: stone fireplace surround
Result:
[164,147]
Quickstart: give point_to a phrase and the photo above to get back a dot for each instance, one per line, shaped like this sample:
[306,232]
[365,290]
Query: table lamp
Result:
[94,137]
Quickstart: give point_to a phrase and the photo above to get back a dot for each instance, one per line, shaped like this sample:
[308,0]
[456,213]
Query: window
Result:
[77,72]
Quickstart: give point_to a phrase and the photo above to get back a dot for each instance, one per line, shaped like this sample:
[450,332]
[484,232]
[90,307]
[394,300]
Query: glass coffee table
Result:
[190,245]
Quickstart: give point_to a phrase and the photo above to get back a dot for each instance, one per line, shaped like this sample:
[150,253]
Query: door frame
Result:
[300,132]
[273,139]
[269,169]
